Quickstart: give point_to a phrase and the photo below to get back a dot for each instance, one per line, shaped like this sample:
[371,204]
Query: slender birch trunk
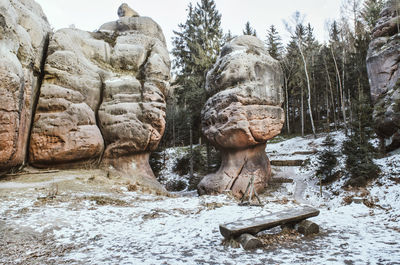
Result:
[302,112]
[308,87]
[331,92]
[287,105]
[340,92]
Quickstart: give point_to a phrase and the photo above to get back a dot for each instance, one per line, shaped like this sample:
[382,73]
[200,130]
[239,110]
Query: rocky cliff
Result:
[24,33]
[101,97]
[244,112]
[383,64]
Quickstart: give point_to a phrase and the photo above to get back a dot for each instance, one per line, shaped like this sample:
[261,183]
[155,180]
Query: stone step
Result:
[311,152]
[278,180]
[287,163]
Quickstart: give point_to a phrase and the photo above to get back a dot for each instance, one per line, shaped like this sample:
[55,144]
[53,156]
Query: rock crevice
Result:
[24,29]
[75,98]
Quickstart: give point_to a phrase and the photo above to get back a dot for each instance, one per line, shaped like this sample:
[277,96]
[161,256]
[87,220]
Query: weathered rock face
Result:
[132,114]
[102,97]
[24,32]
[243,114]
[65,129]
[383,64]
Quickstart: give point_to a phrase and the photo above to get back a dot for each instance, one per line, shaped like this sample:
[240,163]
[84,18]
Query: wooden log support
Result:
[307,228]
[249,242]
[261,223]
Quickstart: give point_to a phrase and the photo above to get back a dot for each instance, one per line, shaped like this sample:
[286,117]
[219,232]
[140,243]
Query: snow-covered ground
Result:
[122,227]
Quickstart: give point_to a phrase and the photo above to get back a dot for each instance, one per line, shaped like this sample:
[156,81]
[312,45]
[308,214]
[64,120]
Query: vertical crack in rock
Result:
[142,79]
[113,121]
[98,122]
[233,181]
[36,92]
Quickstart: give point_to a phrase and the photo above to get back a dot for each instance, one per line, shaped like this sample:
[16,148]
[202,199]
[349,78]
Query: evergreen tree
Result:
[273,42]
[358,150]
[197,44]
[334,32]
[370,12]
[248,30]
[328,161]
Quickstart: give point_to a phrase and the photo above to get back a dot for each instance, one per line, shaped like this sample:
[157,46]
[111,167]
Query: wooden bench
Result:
[254,225]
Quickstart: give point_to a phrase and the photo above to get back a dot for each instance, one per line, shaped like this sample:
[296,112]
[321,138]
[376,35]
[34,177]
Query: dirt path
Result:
[26,185]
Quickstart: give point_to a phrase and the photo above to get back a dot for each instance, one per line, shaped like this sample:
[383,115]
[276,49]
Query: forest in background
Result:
[326,85]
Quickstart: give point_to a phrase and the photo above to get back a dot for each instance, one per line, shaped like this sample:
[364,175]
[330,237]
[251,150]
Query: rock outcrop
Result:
[102,98]
[24,33]
[383,64]
[244,112]
[125,11]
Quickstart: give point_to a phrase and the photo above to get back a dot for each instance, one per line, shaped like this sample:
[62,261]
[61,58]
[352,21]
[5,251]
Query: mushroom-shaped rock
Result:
[102,98]
[383,65]
[24,32]
[244,112]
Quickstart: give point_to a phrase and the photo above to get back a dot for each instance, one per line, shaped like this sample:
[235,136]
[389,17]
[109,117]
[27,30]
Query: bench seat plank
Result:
[261,223]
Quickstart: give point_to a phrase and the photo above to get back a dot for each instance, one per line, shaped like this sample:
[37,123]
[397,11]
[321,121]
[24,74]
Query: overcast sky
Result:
[91,14]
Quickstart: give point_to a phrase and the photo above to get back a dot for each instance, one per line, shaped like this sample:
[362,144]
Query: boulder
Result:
[383,65]
[24,32]
[65,130]
[102,98]
[242,115]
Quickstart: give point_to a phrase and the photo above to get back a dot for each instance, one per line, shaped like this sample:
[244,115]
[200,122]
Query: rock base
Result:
[135,167]
[237,167]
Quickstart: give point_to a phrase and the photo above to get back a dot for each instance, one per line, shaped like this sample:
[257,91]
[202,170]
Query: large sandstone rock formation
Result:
[243,114]
[24,32]
[102,98]
[383,63]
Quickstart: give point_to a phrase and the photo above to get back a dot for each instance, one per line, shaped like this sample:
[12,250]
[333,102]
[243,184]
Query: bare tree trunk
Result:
[302,113]
[349,104]
[331,92]
[208,156]
[340,91]
[308,87]
[173,125]
[287,106]
[327,109]
[343,81]
[191,153]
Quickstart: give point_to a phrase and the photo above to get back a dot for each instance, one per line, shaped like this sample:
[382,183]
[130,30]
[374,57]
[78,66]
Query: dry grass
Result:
[103,200]
[284,236]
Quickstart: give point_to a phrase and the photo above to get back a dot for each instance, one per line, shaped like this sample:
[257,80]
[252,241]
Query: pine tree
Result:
[197,44]
[248,30]
[328,161]
[370,12]
[273,42]
[358,150]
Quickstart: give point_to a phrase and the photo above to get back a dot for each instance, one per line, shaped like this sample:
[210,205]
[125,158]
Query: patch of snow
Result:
[185,230]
